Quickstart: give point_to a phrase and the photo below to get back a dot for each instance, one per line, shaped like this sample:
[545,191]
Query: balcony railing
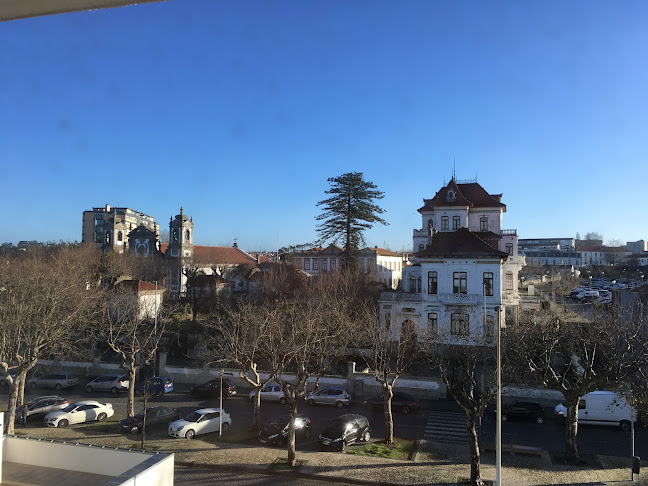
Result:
[461,298]
[509,232]
[400,297]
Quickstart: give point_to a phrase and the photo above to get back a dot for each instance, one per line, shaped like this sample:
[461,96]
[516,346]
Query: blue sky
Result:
[240,111]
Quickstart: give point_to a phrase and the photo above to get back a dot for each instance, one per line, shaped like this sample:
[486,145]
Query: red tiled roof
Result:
[589,248]
[470,194]
[228,255]
[460,243]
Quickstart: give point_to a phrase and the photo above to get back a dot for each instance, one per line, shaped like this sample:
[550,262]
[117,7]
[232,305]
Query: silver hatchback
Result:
[112,383]
[339,397]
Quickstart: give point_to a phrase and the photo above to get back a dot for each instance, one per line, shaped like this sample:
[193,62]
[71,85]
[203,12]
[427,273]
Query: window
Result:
[414,285]
[174,236]
[459,325]
[432,282]
[187,234]
[459,282]
[483,223]
[489,326]
[451,195]
[370,265]
[488,283]
[333,264]
[432,323]
[315,263]
[421,247]
[306,263]
[323,264]
[444,222]
[509,248]
[120,236]
[387,321]
[509,280]
[455,222]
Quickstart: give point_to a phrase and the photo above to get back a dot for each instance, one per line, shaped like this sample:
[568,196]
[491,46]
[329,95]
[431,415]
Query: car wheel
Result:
[504,417]
[307,434]
[58,387]
[63,423]
[339,405]
[134,430]
[89,389]
[283,400]
[190,434]
[624,425]
[311,402]
[405,409]
[225,427]
[101,417]
[344,444]
[366,436]
[114,390]
[539,420]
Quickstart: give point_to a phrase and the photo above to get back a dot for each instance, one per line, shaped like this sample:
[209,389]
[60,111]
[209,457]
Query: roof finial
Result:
[454,163]
[180,209]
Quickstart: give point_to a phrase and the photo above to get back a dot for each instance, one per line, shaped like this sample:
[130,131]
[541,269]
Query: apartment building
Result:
[110,227]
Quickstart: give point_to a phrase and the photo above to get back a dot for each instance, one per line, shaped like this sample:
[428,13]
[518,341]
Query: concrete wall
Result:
[130,467]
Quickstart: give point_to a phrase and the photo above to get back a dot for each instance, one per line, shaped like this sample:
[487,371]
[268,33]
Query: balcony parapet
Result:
[508,232]
[400,297]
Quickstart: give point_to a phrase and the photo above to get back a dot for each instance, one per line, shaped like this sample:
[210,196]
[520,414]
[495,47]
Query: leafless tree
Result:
[563,285]
[46,299]
[576,357]
[133,331]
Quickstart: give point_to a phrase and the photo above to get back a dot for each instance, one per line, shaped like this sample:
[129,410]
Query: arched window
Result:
[187,235]
[483,223]
[120,236]
[387,321]
[174,235]
[451,195]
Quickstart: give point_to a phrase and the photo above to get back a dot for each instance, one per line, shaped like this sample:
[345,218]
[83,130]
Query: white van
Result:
[602,408]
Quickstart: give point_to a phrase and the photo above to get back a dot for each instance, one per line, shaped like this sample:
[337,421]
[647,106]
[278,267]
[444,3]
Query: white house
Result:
[465,268]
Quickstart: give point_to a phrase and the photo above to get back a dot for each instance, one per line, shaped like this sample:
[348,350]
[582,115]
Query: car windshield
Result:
[69,408]
[194,417]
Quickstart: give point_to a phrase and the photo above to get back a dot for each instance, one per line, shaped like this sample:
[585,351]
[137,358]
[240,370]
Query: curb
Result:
[318,477]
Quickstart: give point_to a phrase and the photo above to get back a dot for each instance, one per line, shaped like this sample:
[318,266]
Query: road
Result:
[418,425]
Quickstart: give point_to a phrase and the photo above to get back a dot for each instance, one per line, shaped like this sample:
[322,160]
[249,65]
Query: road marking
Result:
[448,427]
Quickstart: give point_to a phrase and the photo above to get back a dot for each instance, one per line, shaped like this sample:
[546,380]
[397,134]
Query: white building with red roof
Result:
[464,275]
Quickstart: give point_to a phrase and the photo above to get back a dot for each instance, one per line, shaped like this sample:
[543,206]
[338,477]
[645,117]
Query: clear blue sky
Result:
[240,111]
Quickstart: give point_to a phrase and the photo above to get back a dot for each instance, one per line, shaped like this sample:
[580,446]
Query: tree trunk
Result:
[130,403]
[14,389]
[292,454]
[572,454]
[389,419]
[257,409]
[473,442]
[21,389]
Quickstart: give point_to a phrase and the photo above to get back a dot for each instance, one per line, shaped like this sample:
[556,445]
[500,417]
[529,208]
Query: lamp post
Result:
[498,425]
[220,418]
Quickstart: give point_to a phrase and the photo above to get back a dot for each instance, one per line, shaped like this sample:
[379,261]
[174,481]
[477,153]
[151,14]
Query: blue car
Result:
[157,385]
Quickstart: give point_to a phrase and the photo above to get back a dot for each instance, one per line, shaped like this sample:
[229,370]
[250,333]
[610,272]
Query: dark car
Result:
[211,389]
[401,402]
[345,430]
[277,431]
[523,411]
[157,385]
[154,416]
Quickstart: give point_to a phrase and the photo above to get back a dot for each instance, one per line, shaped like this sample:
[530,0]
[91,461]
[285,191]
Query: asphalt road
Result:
[549,436]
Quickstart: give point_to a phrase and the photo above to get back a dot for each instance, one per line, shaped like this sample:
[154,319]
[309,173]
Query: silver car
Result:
[330,396]
[272,392]
[43,405]
[112,383]
[57,381]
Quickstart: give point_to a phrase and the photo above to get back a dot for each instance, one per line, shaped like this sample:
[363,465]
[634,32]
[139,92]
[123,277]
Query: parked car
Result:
[523,411]
[601,408]
[211,389]
[155,416]
[277,431]
[157,385]
[79,412]
[345,430]
[58,381]
[199,422]
[400,402]
[329,396]
[43,405]
[113,383]
[272,392]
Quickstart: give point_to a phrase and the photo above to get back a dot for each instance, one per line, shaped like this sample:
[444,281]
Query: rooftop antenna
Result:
[454,163]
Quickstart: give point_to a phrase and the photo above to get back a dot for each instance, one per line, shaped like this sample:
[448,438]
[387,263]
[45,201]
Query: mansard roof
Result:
[462,243]
[469,194]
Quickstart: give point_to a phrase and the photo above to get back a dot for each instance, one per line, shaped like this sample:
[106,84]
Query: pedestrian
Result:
[23,414]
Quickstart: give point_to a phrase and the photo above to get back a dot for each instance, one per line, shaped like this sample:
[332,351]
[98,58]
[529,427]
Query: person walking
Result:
[23,414]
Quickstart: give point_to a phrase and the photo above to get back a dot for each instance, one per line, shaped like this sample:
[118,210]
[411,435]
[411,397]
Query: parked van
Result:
[601,408]
[588,295]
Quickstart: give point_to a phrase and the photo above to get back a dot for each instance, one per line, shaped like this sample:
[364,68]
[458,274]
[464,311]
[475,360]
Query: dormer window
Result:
[451,195]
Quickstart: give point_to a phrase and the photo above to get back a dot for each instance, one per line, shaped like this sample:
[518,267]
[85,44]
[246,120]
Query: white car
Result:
[79,412]
[199,422]
[272,392]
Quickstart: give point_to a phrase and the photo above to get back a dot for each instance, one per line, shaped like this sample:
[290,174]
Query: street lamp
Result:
[498,425]
[220,418]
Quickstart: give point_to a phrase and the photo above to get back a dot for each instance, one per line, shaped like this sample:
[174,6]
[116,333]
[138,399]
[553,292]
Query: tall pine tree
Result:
[348,212]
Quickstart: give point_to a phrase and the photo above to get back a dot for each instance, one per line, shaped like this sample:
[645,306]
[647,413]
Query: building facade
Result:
[381,265]
[464,276]
[109,227]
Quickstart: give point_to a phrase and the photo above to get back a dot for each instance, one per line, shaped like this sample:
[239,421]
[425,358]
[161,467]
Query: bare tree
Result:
[563,285]
[45,301]
[576,357]
[133,331]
